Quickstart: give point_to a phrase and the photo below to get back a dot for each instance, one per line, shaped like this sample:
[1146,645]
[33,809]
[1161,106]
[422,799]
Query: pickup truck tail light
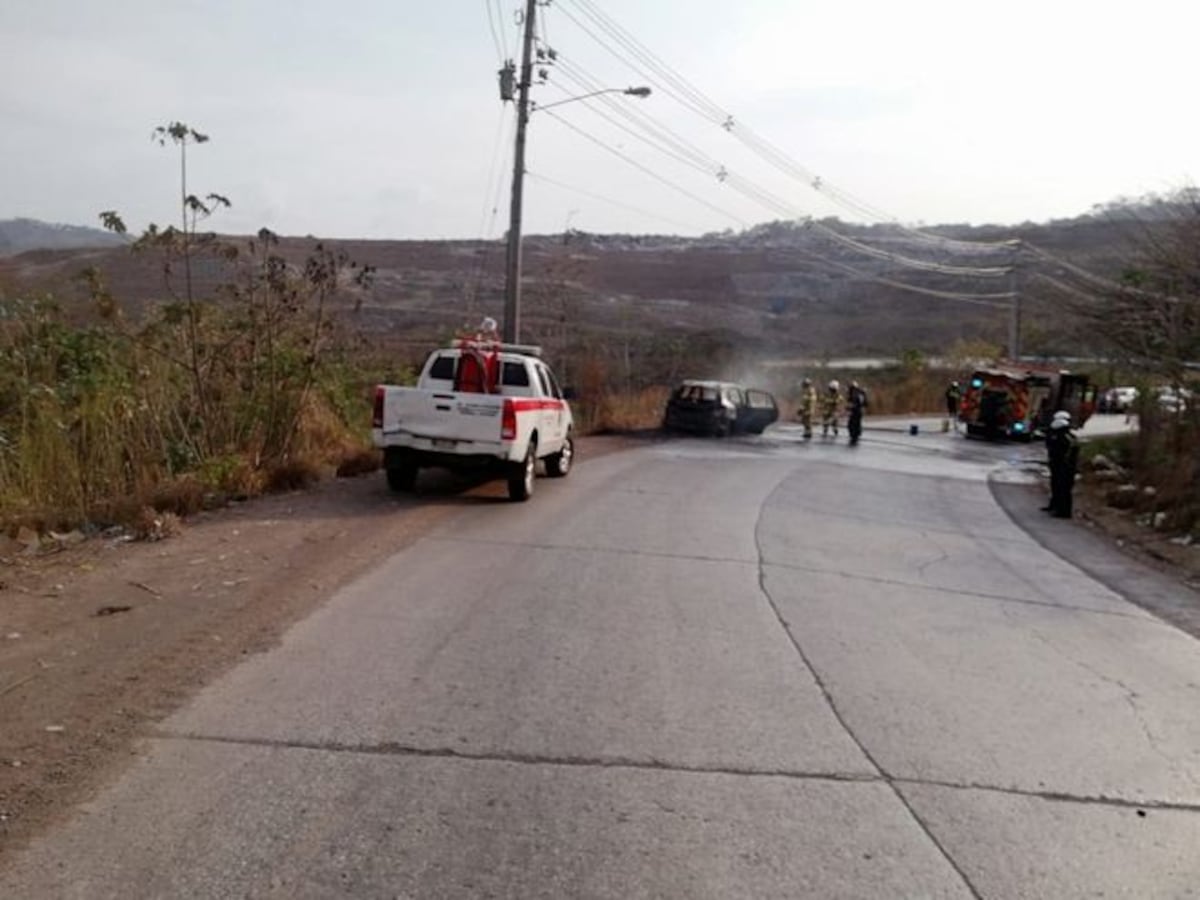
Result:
[377,414]
[508,422]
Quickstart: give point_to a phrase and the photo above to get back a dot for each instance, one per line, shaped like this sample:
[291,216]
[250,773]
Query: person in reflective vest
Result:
[953,401]
[831,408]
[808,407]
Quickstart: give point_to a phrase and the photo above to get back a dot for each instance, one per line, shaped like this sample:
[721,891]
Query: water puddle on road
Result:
[929,453]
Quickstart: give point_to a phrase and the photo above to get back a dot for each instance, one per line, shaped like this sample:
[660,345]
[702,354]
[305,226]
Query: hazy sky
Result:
[380,119]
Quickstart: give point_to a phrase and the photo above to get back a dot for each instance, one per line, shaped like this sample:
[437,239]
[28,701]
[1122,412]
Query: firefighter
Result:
[808,407]
[1062,449]
[831,408]
[856,400]
[953,402]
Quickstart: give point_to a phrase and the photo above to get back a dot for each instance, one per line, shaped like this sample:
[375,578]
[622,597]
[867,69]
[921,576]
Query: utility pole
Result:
[512,283]
[1014,312]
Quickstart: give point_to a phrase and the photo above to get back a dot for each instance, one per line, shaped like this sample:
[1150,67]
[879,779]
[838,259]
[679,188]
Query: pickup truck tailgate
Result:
[442,415]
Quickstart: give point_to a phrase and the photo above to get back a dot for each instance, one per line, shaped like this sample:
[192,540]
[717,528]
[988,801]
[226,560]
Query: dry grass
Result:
[293,475]
[620,412]
[95,427]
[358,461]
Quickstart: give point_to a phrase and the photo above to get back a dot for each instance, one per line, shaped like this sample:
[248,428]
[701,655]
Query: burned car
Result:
[719,408]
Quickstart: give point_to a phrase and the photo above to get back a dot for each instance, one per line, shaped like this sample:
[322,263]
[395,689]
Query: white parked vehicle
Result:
[477,404]
[1119,399]
[1173,399]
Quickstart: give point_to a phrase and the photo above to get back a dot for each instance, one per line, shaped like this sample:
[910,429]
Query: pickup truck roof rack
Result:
[496,346]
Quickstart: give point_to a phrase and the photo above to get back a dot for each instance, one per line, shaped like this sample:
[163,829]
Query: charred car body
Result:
[719,408]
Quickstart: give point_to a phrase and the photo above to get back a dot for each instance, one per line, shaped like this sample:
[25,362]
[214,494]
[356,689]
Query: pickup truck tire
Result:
[558,465]
[522,475]
[402,477]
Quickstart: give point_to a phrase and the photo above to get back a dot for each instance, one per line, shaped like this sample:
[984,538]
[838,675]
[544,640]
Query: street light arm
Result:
[641,91]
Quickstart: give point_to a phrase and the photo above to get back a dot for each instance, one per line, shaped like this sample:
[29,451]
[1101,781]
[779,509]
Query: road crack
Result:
[883,776]
[393,748]
[397,749]
[963,592]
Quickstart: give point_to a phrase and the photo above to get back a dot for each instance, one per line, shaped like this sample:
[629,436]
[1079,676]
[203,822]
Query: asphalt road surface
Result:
[753,668]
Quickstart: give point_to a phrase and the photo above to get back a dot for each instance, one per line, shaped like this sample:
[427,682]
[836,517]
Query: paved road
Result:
[696,669]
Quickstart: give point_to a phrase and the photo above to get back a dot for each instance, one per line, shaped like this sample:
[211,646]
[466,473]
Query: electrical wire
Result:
[583,192]
[1100,281]
[495,187]
[764,198]
[687,154]
[991,300]
[637,165]
[748,190]
[657,131]
[1062,286]
[648,140]
[501,52]
[684,92]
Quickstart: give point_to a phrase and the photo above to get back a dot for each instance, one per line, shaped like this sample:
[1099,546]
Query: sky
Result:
[380,119]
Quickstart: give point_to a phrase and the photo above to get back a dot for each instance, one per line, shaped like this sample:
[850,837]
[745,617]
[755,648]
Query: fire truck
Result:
[1019,403]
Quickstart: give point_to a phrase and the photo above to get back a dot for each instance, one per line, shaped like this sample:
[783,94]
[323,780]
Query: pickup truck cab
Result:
[477,405]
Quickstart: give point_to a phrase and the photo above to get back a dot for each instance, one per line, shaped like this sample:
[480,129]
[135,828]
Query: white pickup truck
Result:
[476,406]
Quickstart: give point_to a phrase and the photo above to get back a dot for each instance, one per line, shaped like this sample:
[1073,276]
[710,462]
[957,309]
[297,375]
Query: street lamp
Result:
[512,281]
[642,91]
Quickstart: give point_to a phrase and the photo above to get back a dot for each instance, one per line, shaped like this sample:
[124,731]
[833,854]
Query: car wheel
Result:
[520,482]
[559,464]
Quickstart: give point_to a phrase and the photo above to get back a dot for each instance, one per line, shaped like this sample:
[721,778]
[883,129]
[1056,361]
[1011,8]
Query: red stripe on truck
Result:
[521,404]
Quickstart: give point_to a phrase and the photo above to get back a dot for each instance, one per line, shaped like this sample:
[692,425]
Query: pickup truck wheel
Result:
[402,478]
[559,464]
[520,482]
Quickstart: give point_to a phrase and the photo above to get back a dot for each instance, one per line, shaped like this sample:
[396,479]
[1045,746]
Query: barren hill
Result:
[20,235]
[780,286]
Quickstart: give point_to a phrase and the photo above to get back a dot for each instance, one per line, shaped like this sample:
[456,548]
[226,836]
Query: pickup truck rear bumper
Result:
[395,457]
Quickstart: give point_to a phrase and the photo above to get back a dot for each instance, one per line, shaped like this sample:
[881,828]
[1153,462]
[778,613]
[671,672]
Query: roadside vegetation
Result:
[241,378]
[229,391]
[1150,320]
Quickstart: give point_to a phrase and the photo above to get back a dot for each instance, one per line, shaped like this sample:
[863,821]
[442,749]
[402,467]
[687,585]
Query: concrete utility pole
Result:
[512,283]
[1014,313]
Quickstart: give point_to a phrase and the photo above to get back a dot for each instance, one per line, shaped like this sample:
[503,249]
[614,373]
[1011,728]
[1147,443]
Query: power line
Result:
[690,104]
[1090,277]
[684,92]
[501,52]
[994,301]
[637,165]
[545,179]
[655,130]
[977,299]
[688,154]
[650,141]
[764,198]
[495,187]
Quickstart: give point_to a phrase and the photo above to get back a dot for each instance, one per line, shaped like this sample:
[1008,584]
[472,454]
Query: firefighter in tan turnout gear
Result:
[808,407]
[831,409]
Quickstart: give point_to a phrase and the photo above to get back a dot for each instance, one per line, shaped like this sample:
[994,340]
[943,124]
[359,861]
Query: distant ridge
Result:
[20,235]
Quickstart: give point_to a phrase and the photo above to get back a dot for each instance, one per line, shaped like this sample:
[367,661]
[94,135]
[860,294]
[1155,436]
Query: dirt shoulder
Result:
[101,640]
[1093,542]
[1165,552]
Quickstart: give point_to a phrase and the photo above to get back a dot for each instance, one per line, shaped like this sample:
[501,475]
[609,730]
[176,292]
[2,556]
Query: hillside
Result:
[780,287]
[21,235]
